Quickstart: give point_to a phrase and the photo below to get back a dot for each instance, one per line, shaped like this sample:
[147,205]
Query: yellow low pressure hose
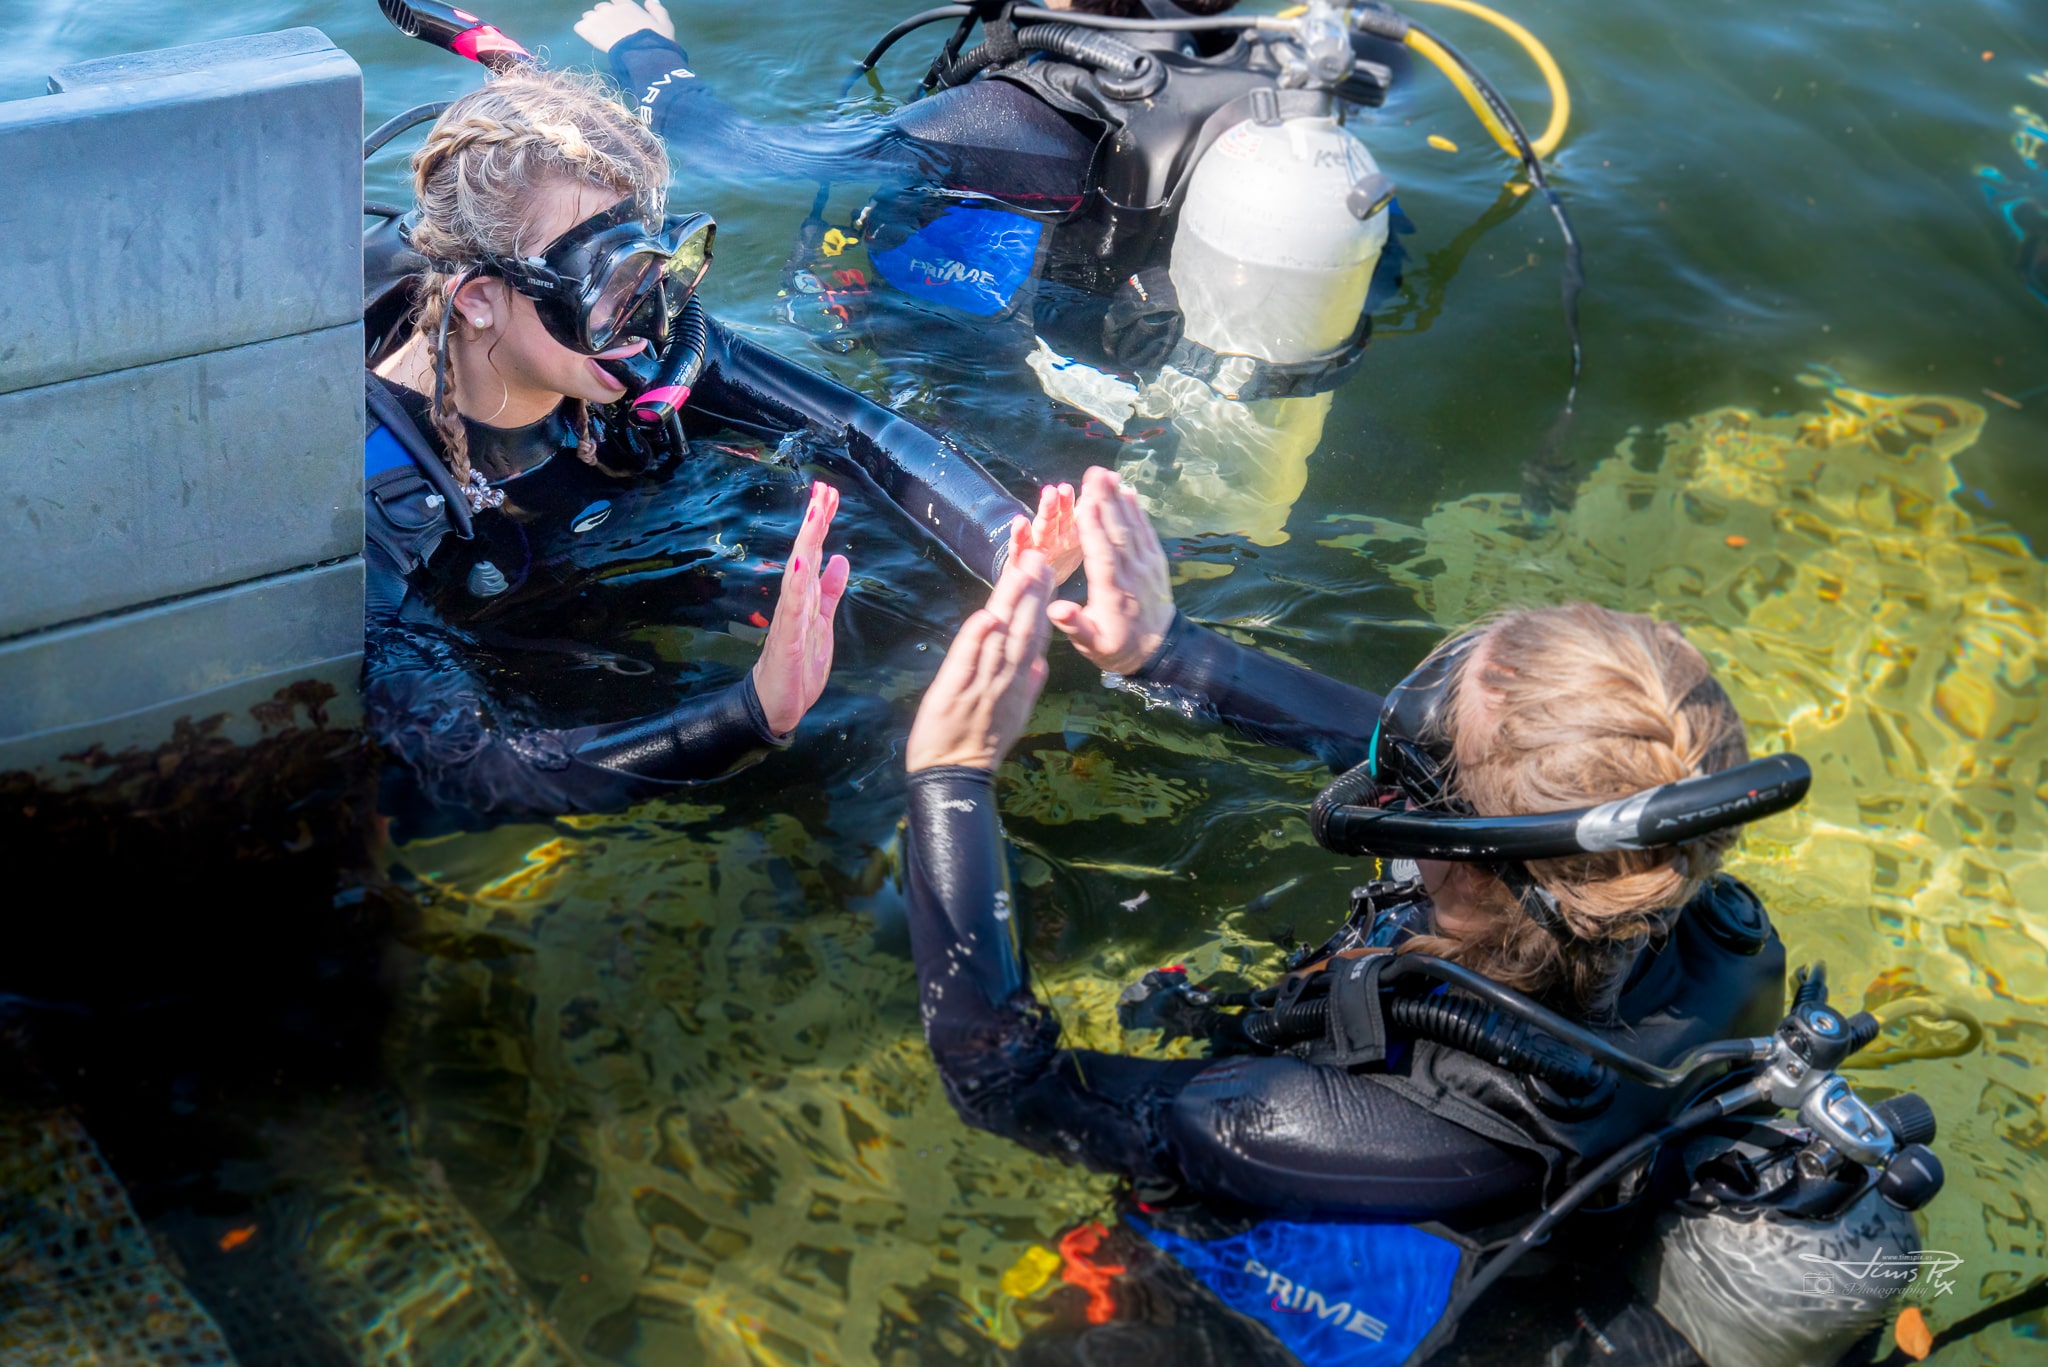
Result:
[1429,47]
[1560,97]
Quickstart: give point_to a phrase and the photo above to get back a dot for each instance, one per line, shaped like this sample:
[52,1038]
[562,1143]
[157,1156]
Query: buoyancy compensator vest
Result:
[1746,1239]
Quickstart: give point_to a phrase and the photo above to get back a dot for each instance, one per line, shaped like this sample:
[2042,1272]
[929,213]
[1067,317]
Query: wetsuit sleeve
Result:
[936,484]
[711,137]
[986,137]
[1271,1132]
[462,761]
[1268,700]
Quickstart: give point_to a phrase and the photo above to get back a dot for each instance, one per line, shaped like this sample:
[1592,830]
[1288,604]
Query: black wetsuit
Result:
[439,579]
[1265,1131]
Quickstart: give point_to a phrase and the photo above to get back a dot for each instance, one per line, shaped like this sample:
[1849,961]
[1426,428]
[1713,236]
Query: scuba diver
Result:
[1153,187]
[537,354]
[1553,985]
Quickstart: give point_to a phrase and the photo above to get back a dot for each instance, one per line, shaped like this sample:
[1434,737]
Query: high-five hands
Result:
[796,659]
[1055,531]
[1130,591]
[977,705]
[612,21]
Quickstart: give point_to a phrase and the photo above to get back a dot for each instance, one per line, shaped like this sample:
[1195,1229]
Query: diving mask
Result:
[610,277]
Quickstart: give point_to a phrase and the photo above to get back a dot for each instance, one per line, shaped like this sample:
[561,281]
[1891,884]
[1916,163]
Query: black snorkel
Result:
[1670,814]
[455,30]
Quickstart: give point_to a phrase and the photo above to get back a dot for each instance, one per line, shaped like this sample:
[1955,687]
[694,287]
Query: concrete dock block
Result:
[172,478]
[177,203]
[125,679]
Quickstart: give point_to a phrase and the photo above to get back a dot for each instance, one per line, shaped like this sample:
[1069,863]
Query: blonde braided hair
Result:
[474,180]
[1583,705]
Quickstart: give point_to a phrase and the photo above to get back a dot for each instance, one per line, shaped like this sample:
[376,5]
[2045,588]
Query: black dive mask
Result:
[611,277]
[1397,805]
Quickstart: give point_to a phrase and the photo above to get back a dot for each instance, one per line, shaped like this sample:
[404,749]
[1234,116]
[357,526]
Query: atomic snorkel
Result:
[1670,814]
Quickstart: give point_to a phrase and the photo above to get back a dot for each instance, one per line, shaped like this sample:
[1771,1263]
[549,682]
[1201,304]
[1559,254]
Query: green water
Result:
[651,1087]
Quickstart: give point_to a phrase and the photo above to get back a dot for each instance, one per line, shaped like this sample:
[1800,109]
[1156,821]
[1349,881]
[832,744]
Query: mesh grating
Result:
[80,1282]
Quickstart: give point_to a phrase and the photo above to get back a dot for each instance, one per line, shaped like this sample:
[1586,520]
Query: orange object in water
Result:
[235,1238]
[1738,542]
[1077,1246]
[1916,1341]
[757,619]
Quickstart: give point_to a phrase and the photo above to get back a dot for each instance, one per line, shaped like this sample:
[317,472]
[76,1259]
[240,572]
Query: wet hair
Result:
[1566,707]
[476,178]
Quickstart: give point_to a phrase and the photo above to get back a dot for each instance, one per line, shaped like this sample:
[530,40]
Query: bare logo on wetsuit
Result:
[1287,1295]
[654,91]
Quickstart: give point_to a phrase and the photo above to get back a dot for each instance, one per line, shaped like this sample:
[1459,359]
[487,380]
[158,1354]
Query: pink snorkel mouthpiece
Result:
[656,404]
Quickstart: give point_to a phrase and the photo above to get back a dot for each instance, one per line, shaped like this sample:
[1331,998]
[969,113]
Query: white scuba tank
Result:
[1268,258]
[1269,261]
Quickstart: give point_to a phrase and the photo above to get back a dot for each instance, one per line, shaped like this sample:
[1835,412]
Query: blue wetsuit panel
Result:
[382,452]
[1353,1293]
[969,259]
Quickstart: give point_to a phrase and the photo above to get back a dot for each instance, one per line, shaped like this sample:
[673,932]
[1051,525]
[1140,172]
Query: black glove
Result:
[1143,324]
[1164,1000]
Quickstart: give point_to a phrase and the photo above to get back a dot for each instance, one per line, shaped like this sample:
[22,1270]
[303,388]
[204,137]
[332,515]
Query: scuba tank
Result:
[1269,258]
[1284,220]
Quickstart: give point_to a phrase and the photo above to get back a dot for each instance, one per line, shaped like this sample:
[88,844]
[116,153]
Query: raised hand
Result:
[796,659]
[1054,531]
[977,705]
[611,22]
[1130,592]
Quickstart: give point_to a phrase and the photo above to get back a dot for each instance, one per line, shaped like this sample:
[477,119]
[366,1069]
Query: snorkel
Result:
[455,30]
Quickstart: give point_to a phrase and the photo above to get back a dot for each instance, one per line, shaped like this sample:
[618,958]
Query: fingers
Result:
[1023,535]
[963,657]
[1003,599]
[1073,619]
[1030,629]
[832,586]
[810,537]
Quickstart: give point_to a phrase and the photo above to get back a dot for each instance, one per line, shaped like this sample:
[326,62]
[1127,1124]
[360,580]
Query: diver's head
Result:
[531,161]
[1550,710]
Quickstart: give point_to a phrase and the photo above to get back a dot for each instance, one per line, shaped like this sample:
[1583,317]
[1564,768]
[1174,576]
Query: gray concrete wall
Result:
[180,390]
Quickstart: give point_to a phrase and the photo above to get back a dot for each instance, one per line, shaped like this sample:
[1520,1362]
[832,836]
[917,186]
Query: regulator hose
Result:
[1463,1023]
[1574,1196]
[1553,77]
[1508,131]
[398,123]
[1124,72]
